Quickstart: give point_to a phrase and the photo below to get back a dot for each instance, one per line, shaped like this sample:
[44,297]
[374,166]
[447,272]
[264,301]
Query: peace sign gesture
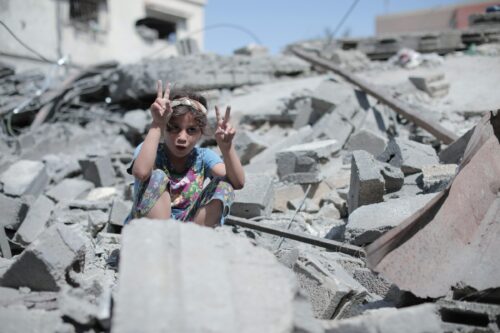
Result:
[161,109]
[224,133]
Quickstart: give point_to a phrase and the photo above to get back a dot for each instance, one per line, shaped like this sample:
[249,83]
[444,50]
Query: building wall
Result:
[434,19]
[114,37]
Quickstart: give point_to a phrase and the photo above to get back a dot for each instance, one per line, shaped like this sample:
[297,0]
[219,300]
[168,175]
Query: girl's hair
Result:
[180,110]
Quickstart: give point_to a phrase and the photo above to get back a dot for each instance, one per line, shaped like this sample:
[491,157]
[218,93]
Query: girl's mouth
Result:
[180,147]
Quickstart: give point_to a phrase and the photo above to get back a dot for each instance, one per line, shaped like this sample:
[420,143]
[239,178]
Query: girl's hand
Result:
[161,109]
[224,133]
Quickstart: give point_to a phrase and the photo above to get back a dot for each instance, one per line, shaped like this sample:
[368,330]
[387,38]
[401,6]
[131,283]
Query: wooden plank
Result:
[399,107]
[304,238]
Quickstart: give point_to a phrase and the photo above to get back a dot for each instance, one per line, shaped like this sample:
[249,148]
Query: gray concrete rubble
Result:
[236,292]
[329,168]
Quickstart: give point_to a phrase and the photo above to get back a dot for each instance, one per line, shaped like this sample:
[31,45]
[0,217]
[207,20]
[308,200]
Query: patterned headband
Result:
[189,102]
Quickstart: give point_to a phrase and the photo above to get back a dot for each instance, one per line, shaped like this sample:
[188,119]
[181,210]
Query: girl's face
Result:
[182,135]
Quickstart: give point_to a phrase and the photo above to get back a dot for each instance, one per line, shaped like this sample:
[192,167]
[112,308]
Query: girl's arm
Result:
[160,110]
[232,168]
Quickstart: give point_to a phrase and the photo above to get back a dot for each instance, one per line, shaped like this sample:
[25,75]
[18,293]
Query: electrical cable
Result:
[346,15]
[22,43]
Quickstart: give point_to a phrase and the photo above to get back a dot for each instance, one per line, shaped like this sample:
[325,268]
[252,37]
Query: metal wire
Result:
[22,43]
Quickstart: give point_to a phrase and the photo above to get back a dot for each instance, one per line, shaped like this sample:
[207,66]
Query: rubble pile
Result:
[329,170]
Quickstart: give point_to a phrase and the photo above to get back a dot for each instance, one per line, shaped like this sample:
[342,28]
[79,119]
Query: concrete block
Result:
[367,223]
[368,141]
[36,220]
[408,155]
[393,177]
[332,126]
[367,184]
[45,262]
[305,114]
[285,193]
[70,189]
[433,84]
[331,291]
[243,289]
[334,198]
[61,166]
[422,318]
[98,170]
[102,194]
[247,145]
[13,210]
[137,120]
[25,177]
[329,94]
[19,319]
[300,164]
[256,198]
[436,178]
[119,211]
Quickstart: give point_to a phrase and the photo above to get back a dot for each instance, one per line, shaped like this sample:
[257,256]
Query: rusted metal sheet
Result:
[415,116]
[455,239]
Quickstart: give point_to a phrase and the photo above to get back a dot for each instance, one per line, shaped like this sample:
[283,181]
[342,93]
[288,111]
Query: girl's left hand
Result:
[224,133]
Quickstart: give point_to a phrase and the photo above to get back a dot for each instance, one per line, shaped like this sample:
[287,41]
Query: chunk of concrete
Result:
[44,263]
[243,289]
[256,198]
[408,155]
[98,170]
[422,318]
[367,223]
[119,211]
[36,220]
[13,210]
[334,198]
[300,164]
[436,178]
[137,120]
[332,291]
[283,194]
[393,177]
[247,145]
[70,189]
[367,140]
[332,126]
[432,84]
[61,166]
[330,94]
[367,183]
[24,177]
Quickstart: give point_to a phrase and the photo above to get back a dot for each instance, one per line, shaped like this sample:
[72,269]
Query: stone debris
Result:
[329,168]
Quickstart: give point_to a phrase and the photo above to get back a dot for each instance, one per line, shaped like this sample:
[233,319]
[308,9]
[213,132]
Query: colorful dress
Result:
[188,191]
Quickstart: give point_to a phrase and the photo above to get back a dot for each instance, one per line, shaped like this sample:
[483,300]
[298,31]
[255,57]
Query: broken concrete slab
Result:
[137,120]
[70,189]
[236,292]
[339,203]
[285,193]
[367,183]
[119,211]
[24,177]
[367,140]
[393,177]
[300,164]
[45,262]
[433,84]
[247,145]
[13,210]
[408,155]
[61,166]
[436,178]
[256,198]
[98,170]
[415,319]
[36,220]
[368,222]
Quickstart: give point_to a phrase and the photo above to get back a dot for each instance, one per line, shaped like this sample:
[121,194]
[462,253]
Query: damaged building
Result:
[371,201]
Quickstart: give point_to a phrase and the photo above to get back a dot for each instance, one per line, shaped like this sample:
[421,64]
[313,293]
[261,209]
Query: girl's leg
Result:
[152,198]
[213,204]
[210,214]
[161,209]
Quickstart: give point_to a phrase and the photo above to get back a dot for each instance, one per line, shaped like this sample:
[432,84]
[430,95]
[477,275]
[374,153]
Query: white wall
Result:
[34,21]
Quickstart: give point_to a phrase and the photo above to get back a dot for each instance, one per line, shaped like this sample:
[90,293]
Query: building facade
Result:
[94,31]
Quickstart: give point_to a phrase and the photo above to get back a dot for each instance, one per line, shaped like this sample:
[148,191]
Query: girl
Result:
[170,175]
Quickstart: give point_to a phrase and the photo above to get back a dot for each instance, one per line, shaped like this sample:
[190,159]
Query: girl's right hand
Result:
[161,109]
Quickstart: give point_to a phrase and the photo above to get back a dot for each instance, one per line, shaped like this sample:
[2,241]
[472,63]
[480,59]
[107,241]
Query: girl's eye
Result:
[173,129]
[192,130]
